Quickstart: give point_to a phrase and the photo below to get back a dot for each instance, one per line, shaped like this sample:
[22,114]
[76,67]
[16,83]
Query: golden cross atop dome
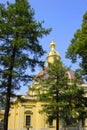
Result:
[53,54]
[52,39]
[52,44]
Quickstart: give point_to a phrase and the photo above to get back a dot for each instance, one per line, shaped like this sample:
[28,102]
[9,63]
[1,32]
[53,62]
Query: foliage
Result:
[20,49]
[78,47]
[63,99]
[2,102]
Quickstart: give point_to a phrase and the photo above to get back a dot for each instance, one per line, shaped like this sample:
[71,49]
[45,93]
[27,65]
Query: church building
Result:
[24,112]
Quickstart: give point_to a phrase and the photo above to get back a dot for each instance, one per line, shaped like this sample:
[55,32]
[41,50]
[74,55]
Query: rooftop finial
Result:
[52,54]
[52,44]
[52,39]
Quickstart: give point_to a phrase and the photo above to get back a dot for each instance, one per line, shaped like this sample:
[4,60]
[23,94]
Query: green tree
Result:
[20,48]
[63,99]
[78,47]
[2,102]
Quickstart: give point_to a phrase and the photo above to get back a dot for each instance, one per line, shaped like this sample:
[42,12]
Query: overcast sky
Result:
[64,17]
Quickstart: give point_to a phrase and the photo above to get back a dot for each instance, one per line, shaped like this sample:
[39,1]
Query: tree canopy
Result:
[20,47]
[62,99]
[78,47]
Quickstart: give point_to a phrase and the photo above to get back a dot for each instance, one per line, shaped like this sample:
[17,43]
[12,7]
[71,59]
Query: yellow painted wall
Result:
[1,115]
[17,112]
[25,105]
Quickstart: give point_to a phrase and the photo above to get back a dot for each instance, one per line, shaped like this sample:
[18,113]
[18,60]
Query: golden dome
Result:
[53,53]
[52,44]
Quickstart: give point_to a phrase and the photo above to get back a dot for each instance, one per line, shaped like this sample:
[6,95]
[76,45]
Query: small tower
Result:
[53,54]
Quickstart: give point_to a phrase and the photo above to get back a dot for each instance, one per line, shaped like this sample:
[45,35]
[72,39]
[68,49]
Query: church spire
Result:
[52,45]
[53,54]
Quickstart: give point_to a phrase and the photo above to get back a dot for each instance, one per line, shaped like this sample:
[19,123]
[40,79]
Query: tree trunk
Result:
[9,87]
[57,122]
[7,108]
[7,105]
[57,110]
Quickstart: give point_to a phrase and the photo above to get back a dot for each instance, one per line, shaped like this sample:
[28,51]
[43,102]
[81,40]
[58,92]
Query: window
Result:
[69,123]
[28,120]
[83,122]
[51,123]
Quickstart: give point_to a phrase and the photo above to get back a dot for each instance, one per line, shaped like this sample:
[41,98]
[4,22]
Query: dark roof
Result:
[69,72]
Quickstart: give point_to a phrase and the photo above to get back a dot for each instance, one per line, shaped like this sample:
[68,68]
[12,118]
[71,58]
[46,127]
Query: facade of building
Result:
[25,109]
[1,119]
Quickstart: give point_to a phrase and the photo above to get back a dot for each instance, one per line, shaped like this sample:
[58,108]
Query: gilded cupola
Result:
[53,54]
